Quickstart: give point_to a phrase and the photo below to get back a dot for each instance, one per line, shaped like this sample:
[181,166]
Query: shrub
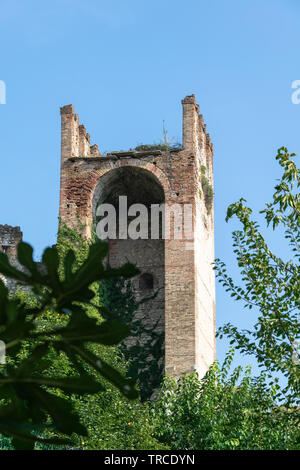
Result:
[223,411]
[67,357]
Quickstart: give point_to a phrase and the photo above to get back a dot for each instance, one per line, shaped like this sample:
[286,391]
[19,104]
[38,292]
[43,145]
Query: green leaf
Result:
[60,410]
[92,269]
[8,270]
[126,386]
[32,363]
[68,265]
[25,440]
[3,301]
[107,333]
[79,385]
[51,261]
[25,257]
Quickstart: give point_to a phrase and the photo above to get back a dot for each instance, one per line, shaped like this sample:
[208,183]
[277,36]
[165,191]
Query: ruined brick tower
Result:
[180,268]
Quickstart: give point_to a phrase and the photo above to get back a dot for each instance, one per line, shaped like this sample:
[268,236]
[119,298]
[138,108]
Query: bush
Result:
[223,411]
[67,358]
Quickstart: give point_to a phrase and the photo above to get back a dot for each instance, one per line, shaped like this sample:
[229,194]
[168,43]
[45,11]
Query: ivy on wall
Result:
[144,351]
[206,189]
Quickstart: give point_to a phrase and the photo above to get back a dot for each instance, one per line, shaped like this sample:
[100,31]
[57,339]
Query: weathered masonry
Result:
[9,239]
[180,268]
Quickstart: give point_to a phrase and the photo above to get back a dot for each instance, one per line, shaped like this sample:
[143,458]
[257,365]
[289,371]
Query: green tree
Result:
[110,419]
[224,410]
[33,401]
[270,284]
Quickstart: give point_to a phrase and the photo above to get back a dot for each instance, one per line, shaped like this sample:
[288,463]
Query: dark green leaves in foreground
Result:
[32,402]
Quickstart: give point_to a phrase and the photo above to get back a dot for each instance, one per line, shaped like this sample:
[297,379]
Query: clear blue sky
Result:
[125,66]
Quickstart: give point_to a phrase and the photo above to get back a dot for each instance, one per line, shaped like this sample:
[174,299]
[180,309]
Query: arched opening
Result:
[7,249]
[146,281]
[141,187]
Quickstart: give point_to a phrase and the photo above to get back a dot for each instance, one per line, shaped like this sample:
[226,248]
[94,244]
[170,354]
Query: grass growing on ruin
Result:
[207,190]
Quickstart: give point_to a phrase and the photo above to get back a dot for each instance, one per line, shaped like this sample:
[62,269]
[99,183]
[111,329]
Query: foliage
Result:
[207,190]
[150,147]
[164,147]
[166,144]
[223,411]
[271,284]
[112,421]
[32,400]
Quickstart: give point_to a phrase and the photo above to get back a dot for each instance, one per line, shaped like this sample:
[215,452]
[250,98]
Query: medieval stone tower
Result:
[179,268]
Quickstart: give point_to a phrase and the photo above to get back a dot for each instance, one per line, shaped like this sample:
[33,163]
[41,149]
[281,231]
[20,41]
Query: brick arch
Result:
[103,181]
[96,174]
[150,167]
